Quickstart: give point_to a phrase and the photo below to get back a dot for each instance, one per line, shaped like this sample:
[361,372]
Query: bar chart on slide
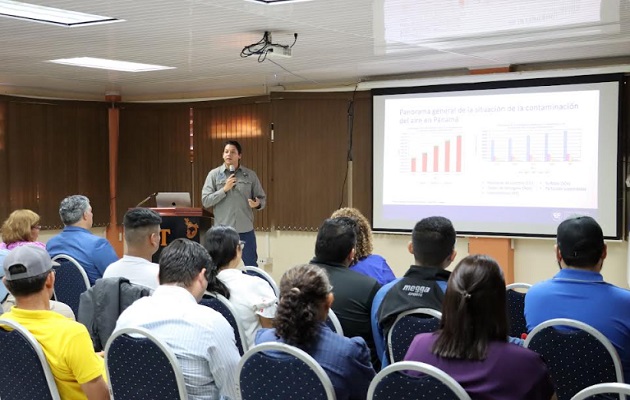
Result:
[539,144]
[437,153]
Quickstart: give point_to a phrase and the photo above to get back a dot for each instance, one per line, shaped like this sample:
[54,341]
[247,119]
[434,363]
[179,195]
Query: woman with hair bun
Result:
[471,344]
[305,298]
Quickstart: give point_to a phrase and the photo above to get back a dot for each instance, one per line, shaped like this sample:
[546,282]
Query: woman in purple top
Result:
[22,227]
[364,261]
[471,345]
[305,298]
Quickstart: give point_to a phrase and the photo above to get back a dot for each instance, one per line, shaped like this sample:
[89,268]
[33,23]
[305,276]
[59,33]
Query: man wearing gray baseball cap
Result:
[77,369]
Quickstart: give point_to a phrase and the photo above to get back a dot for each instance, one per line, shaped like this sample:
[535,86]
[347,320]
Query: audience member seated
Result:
[142,236]
[354,292]
[364,261]
[423,285]
[94,253]
[578,290]
[305,298]
[252,297]
[202,340]
[22,227]
[471,345]
[77,369]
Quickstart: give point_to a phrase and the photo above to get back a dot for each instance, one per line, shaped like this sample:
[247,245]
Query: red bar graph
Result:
[447,156]
[436,158]
[443,157]
[458,151]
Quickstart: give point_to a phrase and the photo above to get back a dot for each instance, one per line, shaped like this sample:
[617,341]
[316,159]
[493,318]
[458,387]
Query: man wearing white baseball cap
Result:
[77,369]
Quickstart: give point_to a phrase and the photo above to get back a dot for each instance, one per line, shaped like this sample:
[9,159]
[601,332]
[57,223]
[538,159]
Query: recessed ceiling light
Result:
[276,1]
[50,15]
[103,63]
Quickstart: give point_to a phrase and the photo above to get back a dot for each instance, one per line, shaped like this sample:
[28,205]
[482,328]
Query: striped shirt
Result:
[200,337]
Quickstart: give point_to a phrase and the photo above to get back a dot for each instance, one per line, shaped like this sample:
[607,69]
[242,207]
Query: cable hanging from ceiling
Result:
[266,46]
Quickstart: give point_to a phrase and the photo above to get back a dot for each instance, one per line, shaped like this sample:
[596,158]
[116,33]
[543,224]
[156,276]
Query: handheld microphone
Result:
[231,168]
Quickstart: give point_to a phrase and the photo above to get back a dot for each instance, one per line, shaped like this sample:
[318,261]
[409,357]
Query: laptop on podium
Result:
[173,199]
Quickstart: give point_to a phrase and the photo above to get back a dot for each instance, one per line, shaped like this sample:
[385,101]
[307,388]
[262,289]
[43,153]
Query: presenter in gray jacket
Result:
[234,192]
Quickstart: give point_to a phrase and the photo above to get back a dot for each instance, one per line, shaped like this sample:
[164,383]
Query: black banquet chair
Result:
[24,370]
[424,382]
[406,326]
[278,371]
[515,303]
[333,322]
[70,281]
[224,307]
[140,366]
[260,273]
[622,389]
[577,355]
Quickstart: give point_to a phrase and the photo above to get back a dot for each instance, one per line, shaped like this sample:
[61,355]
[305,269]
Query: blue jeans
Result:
[250,256]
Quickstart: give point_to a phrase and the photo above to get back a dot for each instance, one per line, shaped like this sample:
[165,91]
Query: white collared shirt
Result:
[202,340]
[136,269]
[251,296]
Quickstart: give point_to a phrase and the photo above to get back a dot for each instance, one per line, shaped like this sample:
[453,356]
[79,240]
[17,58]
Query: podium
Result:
[182,222]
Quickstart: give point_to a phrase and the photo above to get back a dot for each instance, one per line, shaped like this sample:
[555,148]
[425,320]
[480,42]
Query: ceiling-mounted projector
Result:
[276,50]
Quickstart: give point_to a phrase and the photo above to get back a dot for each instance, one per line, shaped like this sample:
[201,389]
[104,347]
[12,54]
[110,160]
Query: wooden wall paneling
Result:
[154,152]
[24,135]
[310,150]
[362,165]
[4,178]
[65,145]
[92,155]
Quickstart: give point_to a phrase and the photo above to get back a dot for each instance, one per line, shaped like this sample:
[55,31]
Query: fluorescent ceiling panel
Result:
[50,15]
[277,1]
[114,65]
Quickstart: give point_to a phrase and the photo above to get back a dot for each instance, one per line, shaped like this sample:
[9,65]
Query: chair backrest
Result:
[140,366]
[333,322]
[425,382]
[70,281]
[406,326]
[24,370]
[222,305]
[515,308]
[603,388]
[260,273]
[277,371]
[578,355]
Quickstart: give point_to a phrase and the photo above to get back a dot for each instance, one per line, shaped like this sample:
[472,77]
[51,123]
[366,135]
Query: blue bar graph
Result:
[547,144]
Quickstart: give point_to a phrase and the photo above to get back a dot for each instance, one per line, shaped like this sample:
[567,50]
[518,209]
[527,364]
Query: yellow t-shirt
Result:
[67,346]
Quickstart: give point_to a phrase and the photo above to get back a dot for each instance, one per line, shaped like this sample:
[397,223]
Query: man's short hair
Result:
[235,144]
[26,269]
[72,208]
[581,241]
[139,223]
[433,240]
[181,261]
[336,238]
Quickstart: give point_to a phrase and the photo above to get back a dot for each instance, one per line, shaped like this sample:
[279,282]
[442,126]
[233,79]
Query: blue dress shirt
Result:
[94,253]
